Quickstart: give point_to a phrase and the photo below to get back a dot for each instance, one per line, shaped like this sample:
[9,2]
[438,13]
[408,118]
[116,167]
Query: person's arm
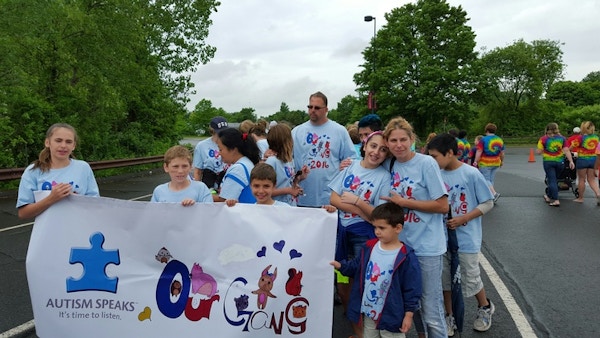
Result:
[197,174]
[57,193]
[336,201]
[567,153]
[477,156]
[438,206]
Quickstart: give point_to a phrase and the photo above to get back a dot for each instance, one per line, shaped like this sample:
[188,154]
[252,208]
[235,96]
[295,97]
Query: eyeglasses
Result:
[314,107]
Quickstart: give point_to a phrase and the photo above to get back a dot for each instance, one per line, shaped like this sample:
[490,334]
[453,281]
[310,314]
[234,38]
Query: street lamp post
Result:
[369,18]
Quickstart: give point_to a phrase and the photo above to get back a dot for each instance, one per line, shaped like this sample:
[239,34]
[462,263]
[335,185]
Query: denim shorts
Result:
[583,163]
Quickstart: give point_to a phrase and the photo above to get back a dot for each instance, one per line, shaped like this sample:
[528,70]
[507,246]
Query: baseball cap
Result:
[218,123]
[576,130]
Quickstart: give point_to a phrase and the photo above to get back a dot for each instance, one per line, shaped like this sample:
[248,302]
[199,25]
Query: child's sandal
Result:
[554,204]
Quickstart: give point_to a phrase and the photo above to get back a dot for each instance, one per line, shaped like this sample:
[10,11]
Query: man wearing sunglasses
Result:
[320,145]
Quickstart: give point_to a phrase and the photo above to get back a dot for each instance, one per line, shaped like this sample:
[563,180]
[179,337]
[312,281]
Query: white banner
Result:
[100,267]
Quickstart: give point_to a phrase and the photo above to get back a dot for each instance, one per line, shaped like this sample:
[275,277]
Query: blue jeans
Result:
[552,169]
[431,317]
[489,173]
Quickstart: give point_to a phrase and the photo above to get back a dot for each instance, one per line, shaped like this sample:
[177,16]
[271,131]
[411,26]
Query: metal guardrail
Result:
[15,173]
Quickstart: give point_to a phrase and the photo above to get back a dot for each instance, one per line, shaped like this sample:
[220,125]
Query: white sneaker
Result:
[451,325]
[483,322]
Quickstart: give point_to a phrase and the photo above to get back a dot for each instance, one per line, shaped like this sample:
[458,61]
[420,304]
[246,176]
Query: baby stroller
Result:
[566,179]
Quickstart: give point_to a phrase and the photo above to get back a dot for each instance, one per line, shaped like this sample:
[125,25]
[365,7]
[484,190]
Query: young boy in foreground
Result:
[387,276]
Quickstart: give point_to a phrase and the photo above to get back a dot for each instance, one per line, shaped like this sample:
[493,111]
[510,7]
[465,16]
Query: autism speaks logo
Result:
[94,260]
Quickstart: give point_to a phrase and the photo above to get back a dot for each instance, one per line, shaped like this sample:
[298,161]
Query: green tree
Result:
[202,114]
[293,117]
[244,114]
[111,69]
[574,94]
[514,80]
[420,64]
[348,110]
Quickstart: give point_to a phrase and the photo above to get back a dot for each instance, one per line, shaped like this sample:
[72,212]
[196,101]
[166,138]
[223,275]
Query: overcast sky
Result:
[273,51]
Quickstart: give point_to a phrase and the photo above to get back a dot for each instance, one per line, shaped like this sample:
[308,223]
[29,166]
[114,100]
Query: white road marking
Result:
[509,301]
[19,330]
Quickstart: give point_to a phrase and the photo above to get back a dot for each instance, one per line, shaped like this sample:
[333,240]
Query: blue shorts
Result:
[584,163]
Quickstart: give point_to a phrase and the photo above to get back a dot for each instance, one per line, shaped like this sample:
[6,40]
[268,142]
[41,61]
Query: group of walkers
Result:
[580,152]
[388,191]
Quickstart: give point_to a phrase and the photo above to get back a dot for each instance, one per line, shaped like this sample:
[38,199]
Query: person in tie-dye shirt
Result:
[464,147]
[553,147]
[586,145]
[489,156]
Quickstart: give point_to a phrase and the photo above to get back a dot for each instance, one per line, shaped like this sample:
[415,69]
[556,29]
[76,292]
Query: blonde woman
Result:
[585,146]
[417,186]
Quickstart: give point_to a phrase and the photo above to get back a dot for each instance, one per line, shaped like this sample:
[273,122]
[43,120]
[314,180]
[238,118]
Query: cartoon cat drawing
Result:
[202,283]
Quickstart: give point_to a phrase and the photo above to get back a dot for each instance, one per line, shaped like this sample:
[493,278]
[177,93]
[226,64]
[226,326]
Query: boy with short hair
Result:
[387,276]
[263,180]
[178,164]
[469,198]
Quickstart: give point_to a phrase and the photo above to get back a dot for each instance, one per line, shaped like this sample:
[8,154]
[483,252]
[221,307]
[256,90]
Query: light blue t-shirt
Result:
[78,173]
[231,189]
[196,191]
[321,149]
[262,145]
[467,188]
[285,176]
[207,156]
[278,204]
[420,179]
[368,184]
[378,277]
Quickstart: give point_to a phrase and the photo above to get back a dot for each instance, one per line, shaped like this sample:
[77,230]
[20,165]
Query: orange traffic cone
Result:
[531,156]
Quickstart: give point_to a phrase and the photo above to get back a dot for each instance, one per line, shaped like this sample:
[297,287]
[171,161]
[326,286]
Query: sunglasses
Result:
[314,107]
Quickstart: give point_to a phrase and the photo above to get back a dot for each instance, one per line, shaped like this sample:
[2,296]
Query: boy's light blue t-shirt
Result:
[197,191]
[467,188]
[207,156]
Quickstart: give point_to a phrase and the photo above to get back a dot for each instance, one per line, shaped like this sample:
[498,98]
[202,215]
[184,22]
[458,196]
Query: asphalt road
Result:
[541,267]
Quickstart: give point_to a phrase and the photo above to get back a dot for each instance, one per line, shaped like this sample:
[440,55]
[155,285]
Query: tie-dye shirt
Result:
[586,146]
[464,150]
[492,147]
[552,147]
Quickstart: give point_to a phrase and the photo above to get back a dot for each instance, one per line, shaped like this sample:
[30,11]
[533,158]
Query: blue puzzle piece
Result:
[94,261]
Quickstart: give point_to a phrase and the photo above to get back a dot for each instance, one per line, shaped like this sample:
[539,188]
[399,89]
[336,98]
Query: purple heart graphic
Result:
[262,252]
[279,245]
[295,254]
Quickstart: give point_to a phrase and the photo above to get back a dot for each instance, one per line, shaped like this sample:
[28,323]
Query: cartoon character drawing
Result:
[163,255]
[175,288]
[202,283]
[299,311]
[265,285]
[375,273]
[293,286]
[241,302]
